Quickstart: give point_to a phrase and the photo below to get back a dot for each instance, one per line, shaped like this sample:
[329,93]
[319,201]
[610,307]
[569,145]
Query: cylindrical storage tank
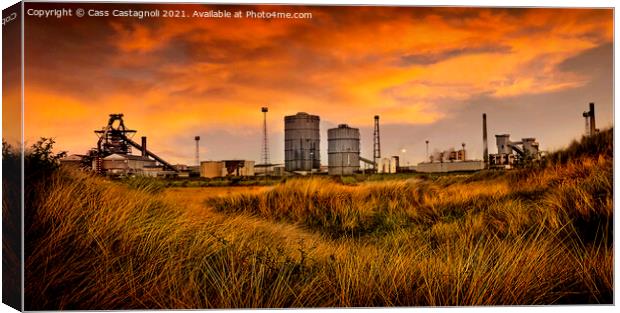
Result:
[302,142]
[503,144]
[343,150]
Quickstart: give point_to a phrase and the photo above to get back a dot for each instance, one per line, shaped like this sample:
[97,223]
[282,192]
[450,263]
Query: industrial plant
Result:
[511,153]
[114,154]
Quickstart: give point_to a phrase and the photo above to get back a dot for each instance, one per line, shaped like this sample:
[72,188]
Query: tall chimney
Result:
[197,138]
[143,146]
[592,120]
[376,155]
[485,147]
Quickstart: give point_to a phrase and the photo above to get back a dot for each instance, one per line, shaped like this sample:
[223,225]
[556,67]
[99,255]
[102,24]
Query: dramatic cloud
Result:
[421,69]
[432,58]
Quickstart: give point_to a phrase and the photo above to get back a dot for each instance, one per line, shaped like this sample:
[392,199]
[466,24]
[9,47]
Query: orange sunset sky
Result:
[429,73]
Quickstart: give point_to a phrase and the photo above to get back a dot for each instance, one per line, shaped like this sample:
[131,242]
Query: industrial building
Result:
[211,169]
[74,160]
[226,168]
[302,143]
[343,150]
[449,155]
[278,170]
[450,160]
[181,167]
[160,171]
[511,153]
[388,165]
[125,164]
[445,167]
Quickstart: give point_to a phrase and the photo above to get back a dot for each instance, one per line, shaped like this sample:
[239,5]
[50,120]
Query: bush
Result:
[40,159]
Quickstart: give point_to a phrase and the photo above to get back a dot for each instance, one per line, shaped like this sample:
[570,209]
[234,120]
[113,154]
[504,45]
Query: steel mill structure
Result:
[113,155]
[302,141]
[343,150]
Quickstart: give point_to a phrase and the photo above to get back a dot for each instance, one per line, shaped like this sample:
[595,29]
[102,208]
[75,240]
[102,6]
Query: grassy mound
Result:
[535,236]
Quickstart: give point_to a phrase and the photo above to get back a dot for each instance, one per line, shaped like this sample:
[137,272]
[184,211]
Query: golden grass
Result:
[536,237]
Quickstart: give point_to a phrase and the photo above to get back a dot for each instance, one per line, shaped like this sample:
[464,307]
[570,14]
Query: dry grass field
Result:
[541,235]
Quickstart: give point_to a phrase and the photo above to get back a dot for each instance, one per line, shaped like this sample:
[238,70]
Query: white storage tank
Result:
[343,150]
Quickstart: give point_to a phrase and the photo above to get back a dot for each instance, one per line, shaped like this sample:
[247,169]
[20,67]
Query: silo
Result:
[343,150]
[301,142]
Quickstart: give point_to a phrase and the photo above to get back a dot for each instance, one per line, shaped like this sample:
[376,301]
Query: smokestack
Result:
[592,120]
[197,138]
[143,146]
[485,147]
[376,143]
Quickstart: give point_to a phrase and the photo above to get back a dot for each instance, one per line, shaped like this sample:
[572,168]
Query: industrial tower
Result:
[590,121]
[265,150]
[377,143]
[485,147]
[197,138]
[115,138]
